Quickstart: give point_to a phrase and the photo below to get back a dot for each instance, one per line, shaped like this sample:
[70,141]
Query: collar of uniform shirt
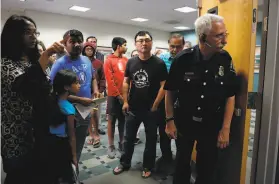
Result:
[199,55]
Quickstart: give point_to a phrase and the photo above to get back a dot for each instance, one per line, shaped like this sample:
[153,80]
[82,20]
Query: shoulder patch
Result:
[232,67]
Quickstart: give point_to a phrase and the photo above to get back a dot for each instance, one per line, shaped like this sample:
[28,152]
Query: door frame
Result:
[267,127]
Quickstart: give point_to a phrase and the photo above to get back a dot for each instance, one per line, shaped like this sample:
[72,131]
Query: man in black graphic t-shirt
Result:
[145,77]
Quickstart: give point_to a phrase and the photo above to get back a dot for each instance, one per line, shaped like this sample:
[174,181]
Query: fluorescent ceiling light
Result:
[185,9]
[139,19]
[22,0]
[181,27]
[79,8]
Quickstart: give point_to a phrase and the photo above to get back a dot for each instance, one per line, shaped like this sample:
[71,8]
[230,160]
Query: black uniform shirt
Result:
[203,85]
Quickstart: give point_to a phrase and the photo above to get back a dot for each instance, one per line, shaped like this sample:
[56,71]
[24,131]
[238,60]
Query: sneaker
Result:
[137,141]
[111,152]
[102,132]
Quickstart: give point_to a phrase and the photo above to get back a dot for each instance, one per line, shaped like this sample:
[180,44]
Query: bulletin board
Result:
[105,50]
[162,49]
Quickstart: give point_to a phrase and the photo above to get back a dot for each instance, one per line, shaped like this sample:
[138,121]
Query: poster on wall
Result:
[105,50]
[160,50]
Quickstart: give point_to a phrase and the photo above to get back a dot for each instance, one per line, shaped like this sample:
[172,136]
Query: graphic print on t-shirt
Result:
[140,79]
[80,72]
[120,66]
[83,69]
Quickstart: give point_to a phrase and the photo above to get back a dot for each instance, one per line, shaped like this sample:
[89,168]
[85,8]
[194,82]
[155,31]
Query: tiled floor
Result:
[96,167]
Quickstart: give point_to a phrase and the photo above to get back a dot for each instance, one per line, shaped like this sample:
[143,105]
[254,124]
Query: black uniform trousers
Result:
[133,121]
[165,141]
[206,135]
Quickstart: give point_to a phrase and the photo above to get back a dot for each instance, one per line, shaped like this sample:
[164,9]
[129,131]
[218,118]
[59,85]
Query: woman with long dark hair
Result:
[25,105]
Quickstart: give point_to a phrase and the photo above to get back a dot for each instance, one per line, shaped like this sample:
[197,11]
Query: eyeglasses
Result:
[176,46]
[146,41]
[221,36]
[31,33]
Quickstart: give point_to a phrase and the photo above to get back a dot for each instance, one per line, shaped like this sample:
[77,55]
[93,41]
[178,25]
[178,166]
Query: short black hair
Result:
[117,41]
[143,33]
[177,35]
[74,33]
[12,39]
[91,37]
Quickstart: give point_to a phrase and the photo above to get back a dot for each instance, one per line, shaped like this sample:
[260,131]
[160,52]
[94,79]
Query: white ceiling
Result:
[119,11]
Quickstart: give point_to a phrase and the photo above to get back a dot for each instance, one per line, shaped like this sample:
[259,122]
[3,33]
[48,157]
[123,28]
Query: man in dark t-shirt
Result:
[145,77]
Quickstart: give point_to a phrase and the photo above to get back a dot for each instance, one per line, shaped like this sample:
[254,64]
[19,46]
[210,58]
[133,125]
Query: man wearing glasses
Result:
[144,80]
[176,43]
[204,78]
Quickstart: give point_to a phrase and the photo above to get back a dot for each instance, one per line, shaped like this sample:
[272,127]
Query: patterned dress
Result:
[16,111]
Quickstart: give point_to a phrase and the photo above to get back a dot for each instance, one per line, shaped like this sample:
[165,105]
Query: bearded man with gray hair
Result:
[204,78]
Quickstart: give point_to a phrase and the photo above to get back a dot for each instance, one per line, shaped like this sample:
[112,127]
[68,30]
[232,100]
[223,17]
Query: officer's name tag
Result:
[189,73]
[197,119]
[188,76]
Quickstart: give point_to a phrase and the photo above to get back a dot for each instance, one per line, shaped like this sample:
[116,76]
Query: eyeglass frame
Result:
[221,35]
[28,33]
[145,40]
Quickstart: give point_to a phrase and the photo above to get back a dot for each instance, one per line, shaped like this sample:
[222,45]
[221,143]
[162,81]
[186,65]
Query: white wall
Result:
[53,26]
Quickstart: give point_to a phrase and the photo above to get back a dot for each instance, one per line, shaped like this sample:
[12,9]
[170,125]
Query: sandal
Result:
[144,172]
[96,143]
[90,141]
[120,169]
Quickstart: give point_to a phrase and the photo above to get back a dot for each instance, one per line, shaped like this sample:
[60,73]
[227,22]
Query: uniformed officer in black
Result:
[204,78]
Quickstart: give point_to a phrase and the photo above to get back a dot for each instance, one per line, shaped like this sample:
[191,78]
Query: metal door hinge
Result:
[265,24]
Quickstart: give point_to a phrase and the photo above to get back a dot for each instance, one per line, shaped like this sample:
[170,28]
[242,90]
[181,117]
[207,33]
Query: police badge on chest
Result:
[221,71]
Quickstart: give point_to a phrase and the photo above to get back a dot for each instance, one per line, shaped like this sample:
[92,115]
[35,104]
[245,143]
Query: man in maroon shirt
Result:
[89,51]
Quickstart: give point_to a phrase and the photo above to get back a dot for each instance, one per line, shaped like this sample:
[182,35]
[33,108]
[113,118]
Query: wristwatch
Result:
[169,119]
